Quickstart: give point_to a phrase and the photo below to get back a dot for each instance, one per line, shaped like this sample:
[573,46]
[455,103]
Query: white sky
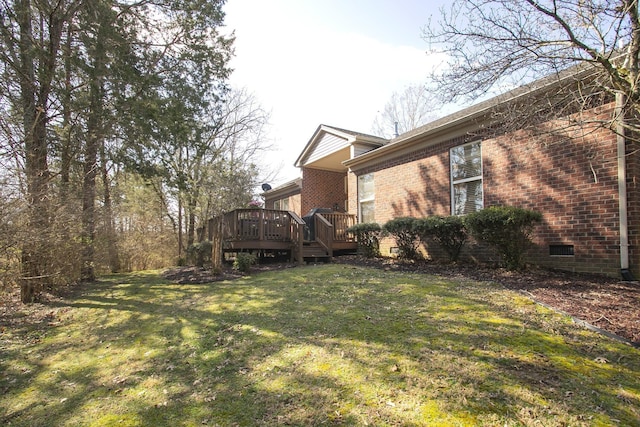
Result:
[333,62]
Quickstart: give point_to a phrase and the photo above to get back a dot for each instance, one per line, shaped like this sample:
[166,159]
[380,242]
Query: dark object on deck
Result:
[310,228]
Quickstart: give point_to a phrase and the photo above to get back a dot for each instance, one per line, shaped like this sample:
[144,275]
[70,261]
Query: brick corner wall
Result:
[322,189]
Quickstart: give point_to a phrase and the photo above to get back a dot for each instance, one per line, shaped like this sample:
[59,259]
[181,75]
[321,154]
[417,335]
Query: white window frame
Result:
[456,182]
[281,204]
[369,199]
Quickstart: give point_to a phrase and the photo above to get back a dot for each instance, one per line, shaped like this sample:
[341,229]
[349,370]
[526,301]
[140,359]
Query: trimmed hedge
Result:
[449,232]
[402,230]
[368,237]
[506,228]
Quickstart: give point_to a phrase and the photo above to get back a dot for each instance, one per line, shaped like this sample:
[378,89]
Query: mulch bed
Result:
[607,303]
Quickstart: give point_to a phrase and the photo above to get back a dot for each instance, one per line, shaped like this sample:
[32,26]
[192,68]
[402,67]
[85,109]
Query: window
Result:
[282,204]
[466,178]
[366,198]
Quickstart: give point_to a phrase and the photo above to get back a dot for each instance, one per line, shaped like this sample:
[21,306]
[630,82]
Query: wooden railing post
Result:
[261,224]
[297,231]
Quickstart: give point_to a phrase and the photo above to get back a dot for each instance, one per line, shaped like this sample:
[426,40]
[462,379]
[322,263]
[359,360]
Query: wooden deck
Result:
[269,231]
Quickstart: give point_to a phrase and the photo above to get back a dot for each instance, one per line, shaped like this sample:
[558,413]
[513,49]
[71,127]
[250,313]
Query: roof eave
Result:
[467,115]
[350,137]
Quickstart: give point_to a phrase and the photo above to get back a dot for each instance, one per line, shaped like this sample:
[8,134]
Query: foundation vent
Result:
[561,250]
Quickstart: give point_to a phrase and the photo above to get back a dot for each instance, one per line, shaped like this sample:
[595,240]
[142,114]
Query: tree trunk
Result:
[87,272]
[191,218]
[34,99]
[215,233]
[66,144]
[112,247]
[180,233]
[95,140]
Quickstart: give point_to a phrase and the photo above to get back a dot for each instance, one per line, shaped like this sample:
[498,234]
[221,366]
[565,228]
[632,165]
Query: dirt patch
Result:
[184,275]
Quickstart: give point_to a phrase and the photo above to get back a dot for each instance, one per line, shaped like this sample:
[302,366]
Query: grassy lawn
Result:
[315,345]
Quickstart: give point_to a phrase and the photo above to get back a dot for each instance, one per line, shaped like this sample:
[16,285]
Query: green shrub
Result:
[506,228]
[199,254]
[449,232]
[401,229]
[368,237]
[244,261]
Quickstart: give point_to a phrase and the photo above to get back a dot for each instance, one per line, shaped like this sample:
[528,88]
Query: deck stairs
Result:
[313,252]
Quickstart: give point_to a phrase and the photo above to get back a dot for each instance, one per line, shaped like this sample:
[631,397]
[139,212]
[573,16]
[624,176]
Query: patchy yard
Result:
[607,303]
[332,344]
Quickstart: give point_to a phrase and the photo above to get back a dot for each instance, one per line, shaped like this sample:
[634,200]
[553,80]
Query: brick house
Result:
[573,175]
[285,197]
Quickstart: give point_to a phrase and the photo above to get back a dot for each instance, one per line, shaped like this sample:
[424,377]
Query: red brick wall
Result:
[571,177]
[322,189]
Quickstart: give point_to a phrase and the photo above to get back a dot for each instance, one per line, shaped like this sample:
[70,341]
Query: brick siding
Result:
[569,176]
[322,189]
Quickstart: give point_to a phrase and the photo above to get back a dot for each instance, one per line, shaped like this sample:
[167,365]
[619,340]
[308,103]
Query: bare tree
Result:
[407,110]
[497,44]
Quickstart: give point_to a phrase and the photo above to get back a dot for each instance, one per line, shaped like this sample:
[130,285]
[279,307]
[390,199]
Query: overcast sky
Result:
[334,62]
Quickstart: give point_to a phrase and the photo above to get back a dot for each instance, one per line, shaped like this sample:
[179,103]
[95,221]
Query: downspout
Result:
[622,188]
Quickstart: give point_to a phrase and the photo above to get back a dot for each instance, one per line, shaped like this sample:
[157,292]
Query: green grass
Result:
[316,345]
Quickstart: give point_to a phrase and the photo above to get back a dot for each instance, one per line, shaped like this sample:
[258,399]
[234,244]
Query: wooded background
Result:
[119,135]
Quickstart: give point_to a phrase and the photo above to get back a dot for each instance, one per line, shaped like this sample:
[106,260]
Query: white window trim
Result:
[279,204]
[368,199]
[464,180]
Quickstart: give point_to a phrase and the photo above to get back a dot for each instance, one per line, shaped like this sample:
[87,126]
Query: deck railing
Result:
[278,225]
[297,236]
[259,224]
[276,229]
[324,233]
[340,222]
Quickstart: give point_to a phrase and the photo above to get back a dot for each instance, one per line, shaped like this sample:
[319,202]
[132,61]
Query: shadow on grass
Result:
[333,344]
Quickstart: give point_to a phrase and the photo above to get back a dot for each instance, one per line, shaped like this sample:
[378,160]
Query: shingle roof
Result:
[543,85]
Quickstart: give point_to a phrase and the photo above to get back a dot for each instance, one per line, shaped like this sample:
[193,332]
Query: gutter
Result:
[622,188]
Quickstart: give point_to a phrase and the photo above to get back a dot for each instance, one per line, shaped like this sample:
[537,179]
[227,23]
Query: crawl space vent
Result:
[561,250]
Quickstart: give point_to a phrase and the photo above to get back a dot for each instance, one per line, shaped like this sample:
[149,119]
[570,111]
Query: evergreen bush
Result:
[402,230]
[368,237]
[449,232]
[244,261]
[199,254]
[506,228]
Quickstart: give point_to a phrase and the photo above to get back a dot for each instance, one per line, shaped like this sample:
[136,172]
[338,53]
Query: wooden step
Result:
[313,252]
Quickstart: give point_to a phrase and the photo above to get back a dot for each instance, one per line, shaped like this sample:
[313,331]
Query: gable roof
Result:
[473,117]
[329,146]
